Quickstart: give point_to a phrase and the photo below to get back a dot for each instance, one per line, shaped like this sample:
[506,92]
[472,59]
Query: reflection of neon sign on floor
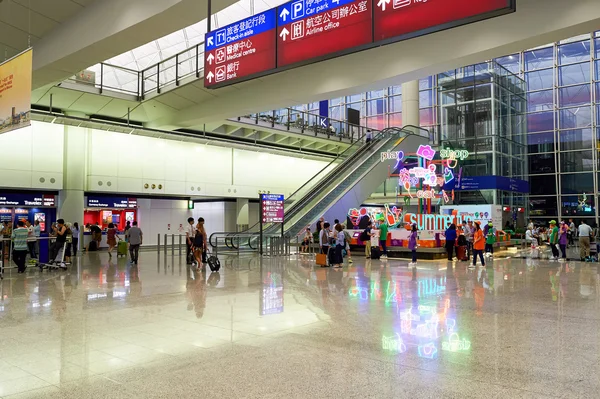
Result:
[428,351]
[431,287]
[361,292]
[393,343]
[455,344]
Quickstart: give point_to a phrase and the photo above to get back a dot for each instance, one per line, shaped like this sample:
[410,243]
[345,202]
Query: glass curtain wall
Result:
[563,120]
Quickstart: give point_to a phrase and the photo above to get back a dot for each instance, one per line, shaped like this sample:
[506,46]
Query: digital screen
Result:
[402,19]
[240,50]
[310,29]
[272,208]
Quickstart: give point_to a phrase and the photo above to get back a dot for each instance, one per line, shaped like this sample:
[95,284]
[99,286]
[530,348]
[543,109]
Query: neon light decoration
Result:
[428,351]
[395,155]
[425,151]
[454,154]
[393,343]
[455,344]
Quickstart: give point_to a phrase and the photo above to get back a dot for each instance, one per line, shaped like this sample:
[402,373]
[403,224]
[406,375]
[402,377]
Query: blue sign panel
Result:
[472,183]
[243,29]
[35,200]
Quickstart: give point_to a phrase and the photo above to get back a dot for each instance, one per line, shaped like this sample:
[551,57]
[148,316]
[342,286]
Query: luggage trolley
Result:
[59,260]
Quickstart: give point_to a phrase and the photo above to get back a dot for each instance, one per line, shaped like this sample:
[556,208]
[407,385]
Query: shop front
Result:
[103,210]
[28,206]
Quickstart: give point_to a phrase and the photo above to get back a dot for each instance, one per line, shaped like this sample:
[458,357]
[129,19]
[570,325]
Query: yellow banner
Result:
[15,92]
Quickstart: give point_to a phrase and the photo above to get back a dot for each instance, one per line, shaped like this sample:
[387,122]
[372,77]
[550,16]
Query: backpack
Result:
[364,236]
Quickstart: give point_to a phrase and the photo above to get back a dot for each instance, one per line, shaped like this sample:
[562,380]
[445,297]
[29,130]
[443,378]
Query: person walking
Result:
[383,233]
[31,241]
[190,233]
[19,237]
[563,240]
[348,239]
[75,233]
[450,235]
[584,233]
[134,237]
[478,245]
[553,241]
[490,240]
[412,244]
[306,241]
[111,238]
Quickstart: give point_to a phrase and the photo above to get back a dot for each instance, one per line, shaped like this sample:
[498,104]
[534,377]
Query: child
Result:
[490,240]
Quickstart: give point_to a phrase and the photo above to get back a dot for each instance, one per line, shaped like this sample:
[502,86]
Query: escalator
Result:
[346,183]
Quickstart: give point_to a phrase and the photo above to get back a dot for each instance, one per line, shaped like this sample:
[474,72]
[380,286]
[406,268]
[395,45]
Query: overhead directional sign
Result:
[240,50]
[311,29]
[402,19]
[304,31]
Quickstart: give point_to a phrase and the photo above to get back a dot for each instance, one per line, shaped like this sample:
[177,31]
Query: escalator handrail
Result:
[399,131]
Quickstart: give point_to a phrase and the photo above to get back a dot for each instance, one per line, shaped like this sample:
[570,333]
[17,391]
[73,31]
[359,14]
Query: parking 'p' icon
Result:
[298,9]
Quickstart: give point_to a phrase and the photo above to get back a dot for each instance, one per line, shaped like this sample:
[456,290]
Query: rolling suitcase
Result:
[331,258]
[122,248]
[461,253]
[213,262]
[375,253]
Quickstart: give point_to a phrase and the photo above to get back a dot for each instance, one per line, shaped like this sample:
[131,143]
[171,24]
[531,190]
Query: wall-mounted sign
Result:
[395,155]
[272,208]
[111,202]
[32,200]
[305,31]
[240,50]
[469,183]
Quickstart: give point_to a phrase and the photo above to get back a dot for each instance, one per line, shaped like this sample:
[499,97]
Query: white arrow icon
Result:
[210,58]
[284,34]
[382,4]
[210,41]
[283,14]
[210,77]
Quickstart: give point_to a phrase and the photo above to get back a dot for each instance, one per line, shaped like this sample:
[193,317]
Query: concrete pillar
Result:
[243,213]
[71,197]
[410,103]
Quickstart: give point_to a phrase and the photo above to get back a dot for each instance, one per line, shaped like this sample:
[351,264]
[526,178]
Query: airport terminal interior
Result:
[295,199]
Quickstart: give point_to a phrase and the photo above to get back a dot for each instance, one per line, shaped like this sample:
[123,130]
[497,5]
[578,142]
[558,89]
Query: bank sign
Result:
[300,32]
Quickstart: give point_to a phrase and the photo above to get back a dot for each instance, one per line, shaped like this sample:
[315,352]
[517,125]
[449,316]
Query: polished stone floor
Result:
[283,328]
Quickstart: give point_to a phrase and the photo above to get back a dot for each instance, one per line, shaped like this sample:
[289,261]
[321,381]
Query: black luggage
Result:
[214,263]
[331,258]
[375,253]
[93,246]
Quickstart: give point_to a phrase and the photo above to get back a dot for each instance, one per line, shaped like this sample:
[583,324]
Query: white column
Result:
[410,103]
[71,197]
[242,212]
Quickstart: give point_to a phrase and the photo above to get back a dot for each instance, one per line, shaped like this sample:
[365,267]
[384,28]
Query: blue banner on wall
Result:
[472,183]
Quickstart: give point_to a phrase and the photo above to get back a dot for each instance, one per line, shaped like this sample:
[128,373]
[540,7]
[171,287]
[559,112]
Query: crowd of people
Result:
[562,235]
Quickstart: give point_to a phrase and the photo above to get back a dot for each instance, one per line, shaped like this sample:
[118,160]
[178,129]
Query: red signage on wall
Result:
[307,30]
[239,50]
[400,19]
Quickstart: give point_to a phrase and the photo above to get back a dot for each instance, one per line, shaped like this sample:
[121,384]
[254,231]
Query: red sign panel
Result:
[310,29]
[240,50]
[398,18]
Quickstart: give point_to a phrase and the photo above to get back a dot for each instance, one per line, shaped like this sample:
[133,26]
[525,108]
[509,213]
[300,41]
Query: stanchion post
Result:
[166,245]
[158,242]
[173,244]
[179,244]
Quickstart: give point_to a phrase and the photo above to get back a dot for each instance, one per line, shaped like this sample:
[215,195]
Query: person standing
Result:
[19,237]
[320,225]
[31,240]
[366,238]
[134,237]
[412,244]
[200,243]
[306,241]
[190,233]
[324,238]
[553,239]
[572,231]
[383,233]
[348,239]
[340,244]
[563,240]
[75,233]
[490,240]
[59,230]
[468,231]
[37,231]
[478,245]
[584,233]
[450,235]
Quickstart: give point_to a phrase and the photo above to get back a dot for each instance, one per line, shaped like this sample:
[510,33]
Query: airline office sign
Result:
[304,31]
